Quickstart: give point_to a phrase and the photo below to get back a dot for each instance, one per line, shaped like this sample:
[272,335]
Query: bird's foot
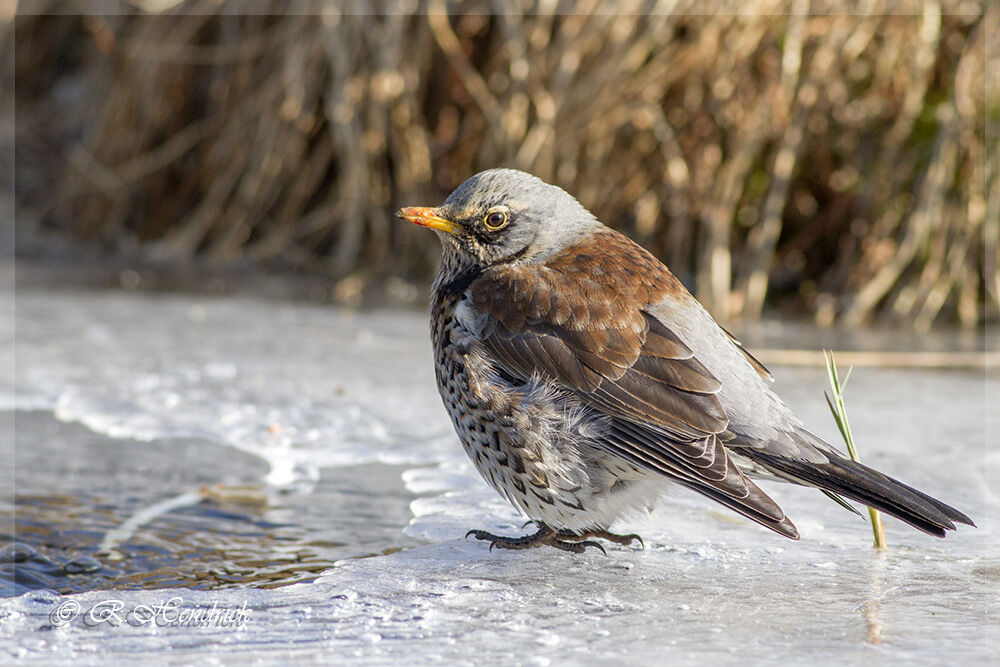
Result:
[544,537]
[624,540]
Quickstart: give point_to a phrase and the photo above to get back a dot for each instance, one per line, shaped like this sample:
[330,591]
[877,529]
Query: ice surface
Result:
[301,387]
[311,389]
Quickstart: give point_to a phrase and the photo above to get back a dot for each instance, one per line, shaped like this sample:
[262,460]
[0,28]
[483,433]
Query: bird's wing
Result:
[752,360]
[565,321]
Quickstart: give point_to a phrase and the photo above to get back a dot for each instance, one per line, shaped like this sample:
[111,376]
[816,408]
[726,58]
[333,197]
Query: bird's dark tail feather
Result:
[782,525]
[865,485]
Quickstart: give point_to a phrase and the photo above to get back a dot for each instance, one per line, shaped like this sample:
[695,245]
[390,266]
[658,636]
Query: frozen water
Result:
[318,406]
[302,388]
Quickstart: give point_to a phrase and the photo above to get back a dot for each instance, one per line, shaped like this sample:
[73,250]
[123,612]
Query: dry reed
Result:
[790,153]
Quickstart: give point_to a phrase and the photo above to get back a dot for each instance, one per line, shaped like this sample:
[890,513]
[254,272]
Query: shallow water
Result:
[339,470]
[232,531]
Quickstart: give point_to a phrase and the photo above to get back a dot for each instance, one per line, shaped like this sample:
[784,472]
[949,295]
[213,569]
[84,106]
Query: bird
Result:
[584,380]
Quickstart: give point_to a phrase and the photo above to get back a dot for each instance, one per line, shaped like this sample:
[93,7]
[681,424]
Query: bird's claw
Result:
[481,535]
[627,540]
[624,540]
[590,543]
[563,540]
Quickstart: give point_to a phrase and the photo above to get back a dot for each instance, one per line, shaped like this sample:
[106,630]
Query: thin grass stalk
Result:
[839,411]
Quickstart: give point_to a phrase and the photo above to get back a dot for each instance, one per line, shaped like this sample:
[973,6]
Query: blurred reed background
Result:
[793,155]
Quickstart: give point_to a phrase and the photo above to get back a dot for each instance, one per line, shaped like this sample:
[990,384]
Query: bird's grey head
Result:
[503,215]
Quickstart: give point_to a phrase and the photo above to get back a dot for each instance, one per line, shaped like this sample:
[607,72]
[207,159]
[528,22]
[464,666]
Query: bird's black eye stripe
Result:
[482,237]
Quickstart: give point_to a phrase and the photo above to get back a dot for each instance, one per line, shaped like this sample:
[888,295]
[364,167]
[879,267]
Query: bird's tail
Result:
[846,478]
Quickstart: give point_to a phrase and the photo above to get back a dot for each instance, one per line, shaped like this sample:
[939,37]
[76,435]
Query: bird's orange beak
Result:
[427,216]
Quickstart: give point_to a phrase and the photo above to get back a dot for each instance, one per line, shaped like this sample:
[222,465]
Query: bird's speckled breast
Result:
[485,416]
[529,441]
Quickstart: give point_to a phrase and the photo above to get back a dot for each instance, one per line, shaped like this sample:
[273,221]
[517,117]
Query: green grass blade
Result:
[835,399]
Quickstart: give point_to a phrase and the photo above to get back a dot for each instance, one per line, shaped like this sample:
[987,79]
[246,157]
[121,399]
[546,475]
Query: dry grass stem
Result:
[781,153]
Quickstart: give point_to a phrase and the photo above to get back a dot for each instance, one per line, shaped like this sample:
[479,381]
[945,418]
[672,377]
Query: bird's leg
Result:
[624,540]
[544,537]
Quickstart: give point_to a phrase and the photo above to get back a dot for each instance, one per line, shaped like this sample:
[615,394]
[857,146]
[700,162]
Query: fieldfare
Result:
[583,378]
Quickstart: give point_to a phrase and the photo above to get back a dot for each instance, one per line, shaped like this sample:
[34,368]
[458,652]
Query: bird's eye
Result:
[495,220]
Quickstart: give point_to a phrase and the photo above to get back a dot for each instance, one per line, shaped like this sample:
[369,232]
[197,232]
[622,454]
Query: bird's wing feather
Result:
[753,361]
[567,324]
